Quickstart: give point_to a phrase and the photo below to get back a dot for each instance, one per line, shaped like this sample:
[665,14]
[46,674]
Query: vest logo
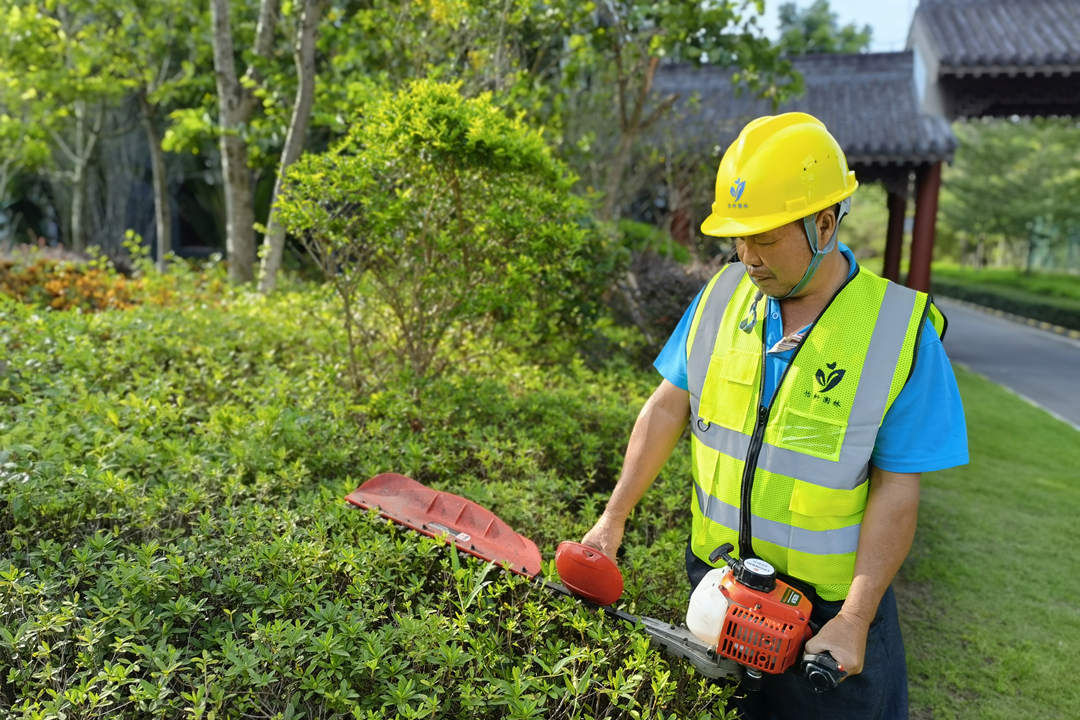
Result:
[737,189]
[828,382]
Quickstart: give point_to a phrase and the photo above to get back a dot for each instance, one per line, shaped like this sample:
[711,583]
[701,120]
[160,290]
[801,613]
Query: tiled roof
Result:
[867,101]
[1024,33]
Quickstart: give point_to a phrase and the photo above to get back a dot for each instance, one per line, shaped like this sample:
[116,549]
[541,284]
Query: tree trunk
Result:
[162,213]
[619,161]
[274,242]
[239,209]
[632,123]
[86,137]
[78,200]
[235,106]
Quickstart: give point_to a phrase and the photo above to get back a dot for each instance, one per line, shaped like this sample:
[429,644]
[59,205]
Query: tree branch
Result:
[269,13]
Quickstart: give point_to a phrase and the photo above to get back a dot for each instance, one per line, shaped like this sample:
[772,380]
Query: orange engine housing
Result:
[763,630]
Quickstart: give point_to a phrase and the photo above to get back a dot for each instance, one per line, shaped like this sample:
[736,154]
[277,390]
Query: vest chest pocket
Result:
[727,398]
[811,434]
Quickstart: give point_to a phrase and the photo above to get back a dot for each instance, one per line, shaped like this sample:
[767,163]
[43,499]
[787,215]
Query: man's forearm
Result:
[888,529]
[658,428]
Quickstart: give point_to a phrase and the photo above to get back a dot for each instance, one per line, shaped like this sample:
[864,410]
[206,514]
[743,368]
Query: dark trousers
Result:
[879,692]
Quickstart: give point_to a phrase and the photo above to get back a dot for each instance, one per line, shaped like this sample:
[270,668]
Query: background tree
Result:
[236,103]
[612,60]
[60,65]
[582,71]
[310,13]
[816,29]
[163,44]
[1014,183]
[24,141]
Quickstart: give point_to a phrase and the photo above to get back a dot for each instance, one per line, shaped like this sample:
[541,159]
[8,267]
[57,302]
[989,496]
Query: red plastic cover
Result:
[470,527]
[588,573]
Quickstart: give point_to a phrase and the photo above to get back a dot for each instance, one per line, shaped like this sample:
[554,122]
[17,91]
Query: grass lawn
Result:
[990,596]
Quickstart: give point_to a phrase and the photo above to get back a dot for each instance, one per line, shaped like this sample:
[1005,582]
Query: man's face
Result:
[777,259]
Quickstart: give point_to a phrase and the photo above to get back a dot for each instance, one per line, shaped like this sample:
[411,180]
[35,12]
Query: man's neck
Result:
[804,309]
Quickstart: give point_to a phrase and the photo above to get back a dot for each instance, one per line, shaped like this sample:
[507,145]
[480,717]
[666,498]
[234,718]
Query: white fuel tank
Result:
[708,608]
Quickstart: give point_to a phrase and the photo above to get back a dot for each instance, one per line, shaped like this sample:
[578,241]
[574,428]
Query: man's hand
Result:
[606,535]
[845,637]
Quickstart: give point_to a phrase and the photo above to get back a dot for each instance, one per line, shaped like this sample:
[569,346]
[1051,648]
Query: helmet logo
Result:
[737,189]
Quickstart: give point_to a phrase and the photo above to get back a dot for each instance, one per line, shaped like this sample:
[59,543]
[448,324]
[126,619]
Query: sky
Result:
[889,19]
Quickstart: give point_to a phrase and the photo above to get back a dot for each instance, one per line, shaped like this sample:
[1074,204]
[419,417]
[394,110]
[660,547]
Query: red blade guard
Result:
[470,527]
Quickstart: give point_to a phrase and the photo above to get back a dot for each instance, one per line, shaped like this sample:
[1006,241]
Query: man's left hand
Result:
[845,637]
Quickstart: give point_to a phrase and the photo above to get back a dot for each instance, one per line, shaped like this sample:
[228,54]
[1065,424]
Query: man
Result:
[816,394]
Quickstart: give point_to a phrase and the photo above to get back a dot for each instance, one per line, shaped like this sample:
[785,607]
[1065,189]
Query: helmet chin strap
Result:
[810,225]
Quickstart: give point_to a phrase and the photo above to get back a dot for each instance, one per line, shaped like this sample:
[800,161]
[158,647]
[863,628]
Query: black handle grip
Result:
[721,552]
[822,670]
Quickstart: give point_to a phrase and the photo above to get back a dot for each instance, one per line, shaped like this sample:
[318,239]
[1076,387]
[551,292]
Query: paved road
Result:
[1040,366]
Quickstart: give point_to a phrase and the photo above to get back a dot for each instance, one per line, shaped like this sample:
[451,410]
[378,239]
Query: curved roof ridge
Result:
[867,100]
[995,33]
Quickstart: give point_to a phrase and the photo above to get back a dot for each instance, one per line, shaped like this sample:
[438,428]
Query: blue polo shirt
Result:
[924,429]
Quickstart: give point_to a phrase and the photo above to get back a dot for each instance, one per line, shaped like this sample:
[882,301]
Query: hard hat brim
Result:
[719,225]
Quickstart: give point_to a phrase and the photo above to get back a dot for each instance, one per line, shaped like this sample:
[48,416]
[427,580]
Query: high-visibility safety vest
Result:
[787,481]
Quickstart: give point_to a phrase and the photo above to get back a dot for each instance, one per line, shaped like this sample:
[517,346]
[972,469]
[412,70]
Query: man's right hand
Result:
[606,535]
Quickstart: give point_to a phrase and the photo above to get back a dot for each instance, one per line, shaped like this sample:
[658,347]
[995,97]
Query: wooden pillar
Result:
[927,186]
[680,226]
[894,238]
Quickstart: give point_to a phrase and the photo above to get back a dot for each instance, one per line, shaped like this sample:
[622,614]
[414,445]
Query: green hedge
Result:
[175,542]
[1055,310]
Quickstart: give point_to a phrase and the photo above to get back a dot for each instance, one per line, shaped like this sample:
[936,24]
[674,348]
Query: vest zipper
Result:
[746,538]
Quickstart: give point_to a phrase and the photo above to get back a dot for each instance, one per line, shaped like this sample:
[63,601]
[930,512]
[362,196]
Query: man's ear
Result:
[826,226]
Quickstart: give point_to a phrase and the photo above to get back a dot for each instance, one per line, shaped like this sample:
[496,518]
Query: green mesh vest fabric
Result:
[810,453]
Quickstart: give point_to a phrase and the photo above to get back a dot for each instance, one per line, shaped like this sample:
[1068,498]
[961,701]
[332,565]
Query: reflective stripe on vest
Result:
[813,532]
[817,542]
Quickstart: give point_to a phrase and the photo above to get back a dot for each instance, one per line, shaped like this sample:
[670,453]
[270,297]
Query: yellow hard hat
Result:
[781,168]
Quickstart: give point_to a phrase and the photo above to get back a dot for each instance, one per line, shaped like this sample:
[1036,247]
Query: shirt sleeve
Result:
[925,429]
[671,362]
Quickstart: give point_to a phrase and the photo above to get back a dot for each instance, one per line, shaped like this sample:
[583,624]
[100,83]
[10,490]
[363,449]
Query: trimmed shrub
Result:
[176,544]
[1056,311]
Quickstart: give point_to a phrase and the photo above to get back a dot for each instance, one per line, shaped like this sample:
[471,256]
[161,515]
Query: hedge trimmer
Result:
[742,620]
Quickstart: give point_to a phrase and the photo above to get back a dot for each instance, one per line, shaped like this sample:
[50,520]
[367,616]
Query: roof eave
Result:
[964,70]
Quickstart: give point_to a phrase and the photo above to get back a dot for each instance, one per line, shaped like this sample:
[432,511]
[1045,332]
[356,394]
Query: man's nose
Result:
[746,253]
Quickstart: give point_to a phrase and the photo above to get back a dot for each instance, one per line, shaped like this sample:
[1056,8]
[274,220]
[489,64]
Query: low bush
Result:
[175,542]
[62,285]
[57,280]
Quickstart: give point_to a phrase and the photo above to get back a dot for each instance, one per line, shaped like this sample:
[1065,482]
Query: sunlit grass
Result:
[990,596]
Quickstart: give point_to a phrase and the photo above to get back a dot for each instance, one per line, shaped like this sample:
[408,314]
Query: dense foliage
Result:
[1012,197]
[176,545]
